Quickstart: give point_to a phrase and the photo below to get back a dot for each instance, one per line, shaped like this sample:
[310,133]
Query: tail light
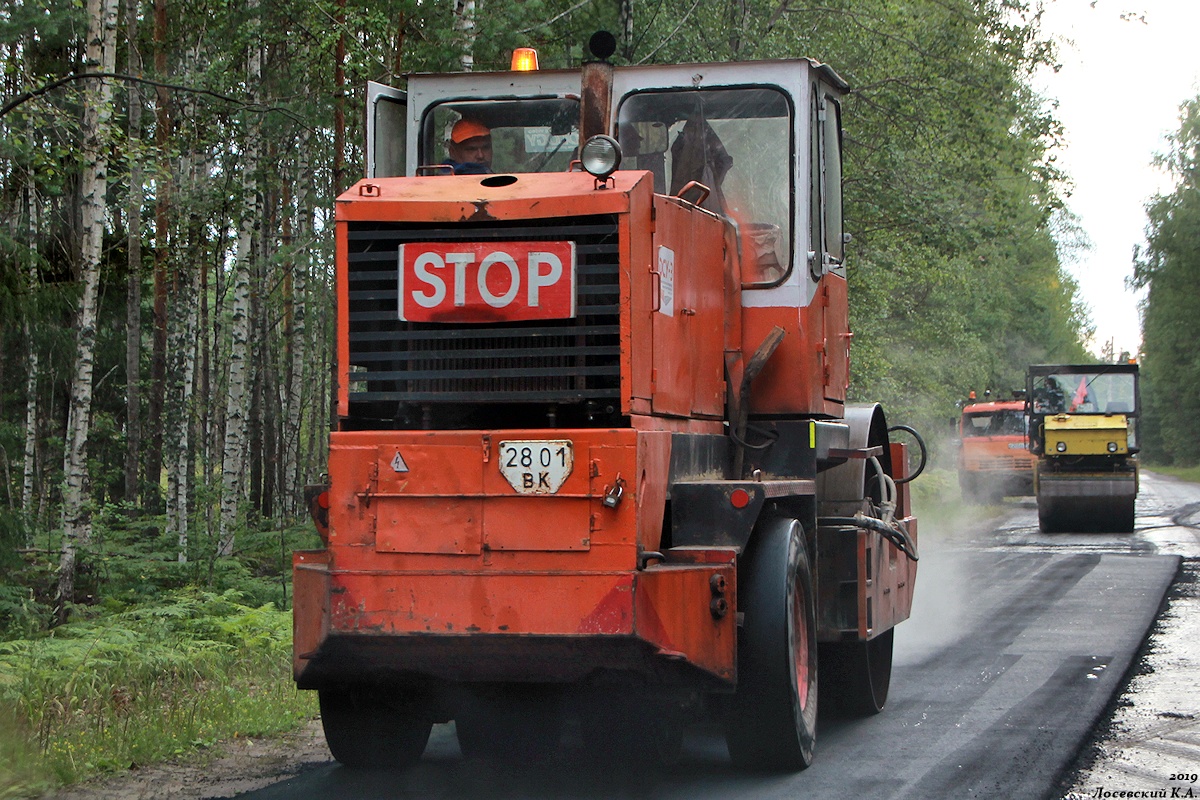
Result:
[316,497]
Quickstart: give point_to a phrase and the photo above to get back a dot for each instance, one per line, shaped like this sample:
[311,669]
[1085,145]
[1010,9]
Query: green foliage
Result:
[19,773]
[955,273]
[144,684]
[131,560]
[1170,271]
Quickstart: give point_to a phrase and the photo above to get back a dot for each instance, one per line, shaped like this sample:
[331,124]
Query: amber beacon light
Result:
[524,59]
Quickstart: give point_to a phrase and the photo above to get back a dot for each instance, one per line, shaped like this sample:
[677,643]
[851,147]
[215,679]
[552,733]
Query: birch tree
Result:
[31,359]
[464,26]
[101,57]
[162,226]
[181,375]
[625,20]
[237,400]
[295,330]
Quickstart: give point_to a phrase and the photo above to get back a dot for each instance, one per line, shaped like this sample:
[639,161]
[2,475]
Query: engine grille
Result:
[399,366]
[1007,463]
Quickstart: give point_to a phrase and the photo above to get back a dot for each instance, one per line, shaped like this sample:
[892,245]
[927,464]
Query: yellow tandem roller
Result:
[1083,425]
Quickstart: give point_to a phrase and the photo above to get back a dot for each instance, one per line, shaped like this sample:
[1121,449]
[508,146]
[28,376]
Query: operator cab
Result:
[756,145]
[1082,390]
[750,134]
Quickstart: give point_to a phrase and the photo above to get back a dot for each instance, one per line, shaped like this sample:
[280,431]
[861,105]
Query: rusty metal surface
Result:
[429,540]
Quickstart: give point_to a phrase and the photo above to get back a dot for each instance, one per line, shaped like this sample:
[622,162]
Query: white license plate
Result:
[536,466]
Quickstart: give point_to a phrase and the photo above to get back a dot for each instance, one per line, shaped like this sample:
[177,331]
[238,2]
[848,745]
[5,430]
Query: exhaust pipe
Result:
[597,79]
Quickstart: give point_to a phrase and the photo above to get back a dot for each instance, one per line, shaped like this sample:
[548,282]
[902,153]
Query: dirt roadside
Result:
[1150,744]
[224,770]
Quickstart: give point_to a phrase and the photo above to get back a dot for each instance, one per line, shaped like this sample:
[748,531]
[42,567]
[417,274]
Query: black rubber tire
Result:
[516,727]
[365,730]
[772,719]
[856,676]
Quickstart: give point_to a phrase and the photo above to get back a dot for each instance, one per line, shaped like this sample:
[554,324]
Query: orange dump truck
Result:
[593,463]
[993,457]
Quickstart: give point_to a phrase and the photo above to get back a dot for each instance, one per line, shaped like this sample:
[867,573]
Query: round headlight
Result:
[1061,447]
[1112,447]
[601,155]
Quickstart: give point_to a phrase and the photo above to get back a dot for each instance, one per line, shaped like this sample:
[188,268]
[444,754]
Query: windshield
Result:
[1084,393]
[538,135]
[734,141]
[1005,422]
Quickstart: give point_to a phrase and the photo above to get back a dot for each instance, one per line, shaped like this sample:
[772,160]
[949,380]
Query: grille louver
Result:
[398,365]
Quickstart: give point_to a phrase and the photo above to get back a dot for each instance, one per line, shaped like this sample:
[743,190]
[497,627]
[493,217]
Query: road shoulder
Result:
[1152,732]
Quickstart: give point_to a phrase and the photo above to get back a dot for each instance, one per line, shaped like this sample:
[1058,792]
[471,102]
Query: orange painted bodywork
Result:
[688,331]
[810,371]
[671,364]
[996,453]
[449,548]
[1000,457]
[437,567]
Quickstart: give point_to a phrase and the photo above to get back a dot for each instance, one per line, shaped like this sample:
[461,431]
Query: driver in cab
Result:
[469,148]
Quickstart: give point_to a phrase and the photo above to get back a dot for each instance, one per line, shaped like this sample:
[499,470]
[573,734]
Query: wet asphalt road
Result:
[1018,644]
[1151,742]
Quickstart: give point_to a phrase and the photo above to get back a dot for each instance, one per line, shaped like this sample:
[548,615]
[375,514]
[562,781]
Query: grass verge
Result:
[141,686]
[1184,473]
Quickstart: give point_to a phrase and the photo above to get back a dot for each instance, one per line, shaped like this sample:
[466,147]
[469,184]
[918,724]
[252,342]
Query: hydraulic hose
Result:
[894,533]
[920,443]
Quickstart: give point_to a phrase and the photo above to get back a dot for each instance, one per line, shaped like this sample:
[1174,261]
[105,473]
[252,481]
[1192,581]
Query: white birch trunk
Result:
[29,483]
[31,417]
[464,24]
[76,522]
[299,351]
[181,467]
[181,369]
[31,366]
[236,404]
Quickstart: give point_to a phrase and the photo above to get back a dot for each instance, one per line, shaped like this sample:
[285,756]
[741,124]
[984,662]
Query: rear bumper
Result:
[668,622]
[440,568]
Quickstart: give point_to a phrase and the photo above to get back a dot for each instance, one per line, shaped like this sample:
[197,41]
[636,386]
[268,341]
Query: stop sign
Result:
[486,281]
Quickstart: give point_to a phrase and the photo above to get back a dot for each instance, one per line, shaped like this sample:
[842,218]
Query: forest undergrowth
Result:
[165,658]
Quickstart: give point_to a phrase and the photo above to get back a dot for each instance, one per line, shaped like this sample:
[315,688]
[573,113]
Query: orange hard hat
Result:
[468,129]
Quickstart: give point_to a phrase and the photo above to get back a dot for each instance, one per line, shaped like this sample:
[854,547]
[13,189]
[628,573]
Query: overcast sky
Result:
[1127,65]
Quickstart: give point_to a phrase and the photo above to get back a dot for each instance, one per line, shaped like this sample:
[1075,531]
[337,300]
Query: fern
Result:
[150,681]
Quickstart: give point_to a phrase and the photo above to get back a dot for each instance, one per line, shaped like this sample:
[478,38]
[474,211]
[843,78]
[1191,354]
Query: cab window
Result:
[736,142]
[528,135]
[996,423]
